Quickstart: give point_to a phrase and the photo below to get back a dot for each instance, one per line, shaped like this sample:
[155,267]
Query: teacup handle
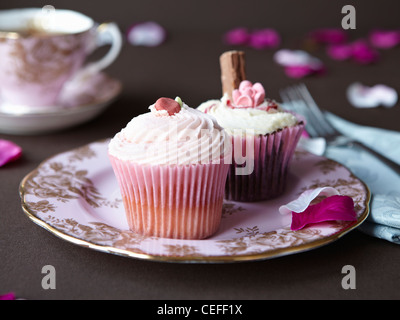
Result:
[106,33]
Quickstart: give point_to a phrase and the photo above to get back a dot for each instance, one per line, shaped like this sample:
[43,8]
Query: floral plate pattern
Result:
[75,196]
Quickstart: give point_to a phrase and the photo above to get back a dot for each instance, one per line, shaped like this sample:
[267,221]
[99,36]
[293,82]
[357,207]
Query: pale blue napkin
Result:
[384,218]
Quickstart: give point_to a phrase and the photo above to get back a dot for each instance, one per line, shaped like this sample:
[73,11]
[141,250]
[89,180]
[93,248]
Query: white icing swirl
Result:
[237,120]
[187,137]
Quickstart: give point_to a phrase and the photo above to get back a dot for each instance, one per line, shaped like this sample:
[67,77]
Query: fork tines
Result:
[299,100]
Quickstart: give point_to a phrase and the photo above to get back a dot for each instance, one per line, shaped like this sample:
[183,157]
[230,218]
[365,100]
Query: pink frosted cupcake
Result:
[264,139]
[171,167]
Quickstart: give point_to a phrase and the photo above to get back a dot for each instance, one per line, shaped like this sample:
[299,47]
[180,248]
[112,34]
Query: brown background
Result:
[187,65]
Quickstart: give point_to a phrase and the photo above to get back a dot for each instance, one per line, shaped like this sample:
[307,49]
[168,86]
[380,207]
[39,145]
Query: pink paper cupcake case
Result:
[172,201]
[272,155]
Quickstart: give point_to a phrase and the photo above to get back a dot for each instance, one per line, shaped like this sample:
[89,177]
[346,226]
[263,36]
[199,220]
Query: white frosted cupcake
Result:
[171,165]
[264,138]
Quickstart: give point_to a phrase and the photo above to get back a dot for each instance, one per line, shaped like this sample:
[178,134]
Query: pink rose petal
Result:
[298,63]
[384,39]
[298,71]
[340,51]
[9,151]
[361,96]
[303,201]
[265,38]
[363,53]
[8,296]
[237,36]
[330,209]
[148,34]
[329,36]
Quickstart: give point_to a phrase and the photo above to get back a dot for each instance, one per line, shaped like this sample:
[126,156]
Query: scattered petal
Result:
[363,53]
[286,57]
[330,209]
[340,51]
[265,38]
[361,96]
[237,36]
[298,71]
[359,51]
[9,151]
[298,63]
[329,36]
[333,207]
[304,200]
[384,39]
[148,34]
[8,296]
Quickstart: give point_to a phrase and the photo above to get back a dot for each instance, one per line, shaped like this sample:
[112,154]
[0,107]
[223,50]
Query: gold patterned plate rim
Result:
[70,172]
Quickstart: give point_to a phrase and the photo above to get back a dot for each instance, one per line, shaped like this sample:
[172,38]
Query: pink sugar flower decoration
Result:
[237,37]
[329,36]
[384,39]
[248,95]
[264,39]
[9,151]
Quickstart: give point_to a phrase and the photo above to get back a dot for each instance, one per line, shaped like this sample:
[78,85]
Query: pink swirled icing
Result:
[157,138]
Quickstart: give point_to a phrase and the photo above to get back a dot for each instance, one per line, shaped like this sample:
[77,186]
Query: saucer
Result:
[82,99]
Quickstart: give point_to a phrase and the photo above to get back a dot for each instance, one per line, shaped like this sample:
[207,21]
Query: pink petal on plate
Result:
[384,39]
[340,51]
[304,200]
[265,38]
[330,209]
[9,151]
[363,53]
[329,36]
[148,34]
[237,36]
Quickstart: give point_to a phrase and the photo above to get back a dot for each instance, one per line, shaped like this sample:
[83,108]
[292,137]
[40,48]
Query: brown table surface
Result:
[187,65]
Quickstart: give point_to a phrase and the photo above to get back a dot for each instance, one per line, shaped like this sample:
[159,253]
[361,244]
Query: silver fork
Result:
[299,100]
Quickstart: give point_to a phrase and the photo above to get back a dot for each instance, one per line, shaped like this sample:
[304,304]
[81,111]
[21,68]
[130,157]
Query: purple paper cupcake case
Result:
[266,177]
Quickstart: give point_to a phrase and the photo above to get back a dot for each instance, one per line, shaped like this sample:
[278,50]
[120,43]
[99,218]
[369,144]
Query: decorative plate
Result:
[75,196]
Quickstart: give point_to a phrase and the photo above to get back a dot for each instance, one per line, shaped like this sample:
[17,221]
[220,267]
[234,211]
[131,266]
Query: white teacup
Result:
[41,49]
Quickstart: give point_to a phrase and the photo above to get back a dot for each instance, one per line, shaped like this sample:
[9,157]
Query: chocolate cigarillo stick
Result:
[232,70]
